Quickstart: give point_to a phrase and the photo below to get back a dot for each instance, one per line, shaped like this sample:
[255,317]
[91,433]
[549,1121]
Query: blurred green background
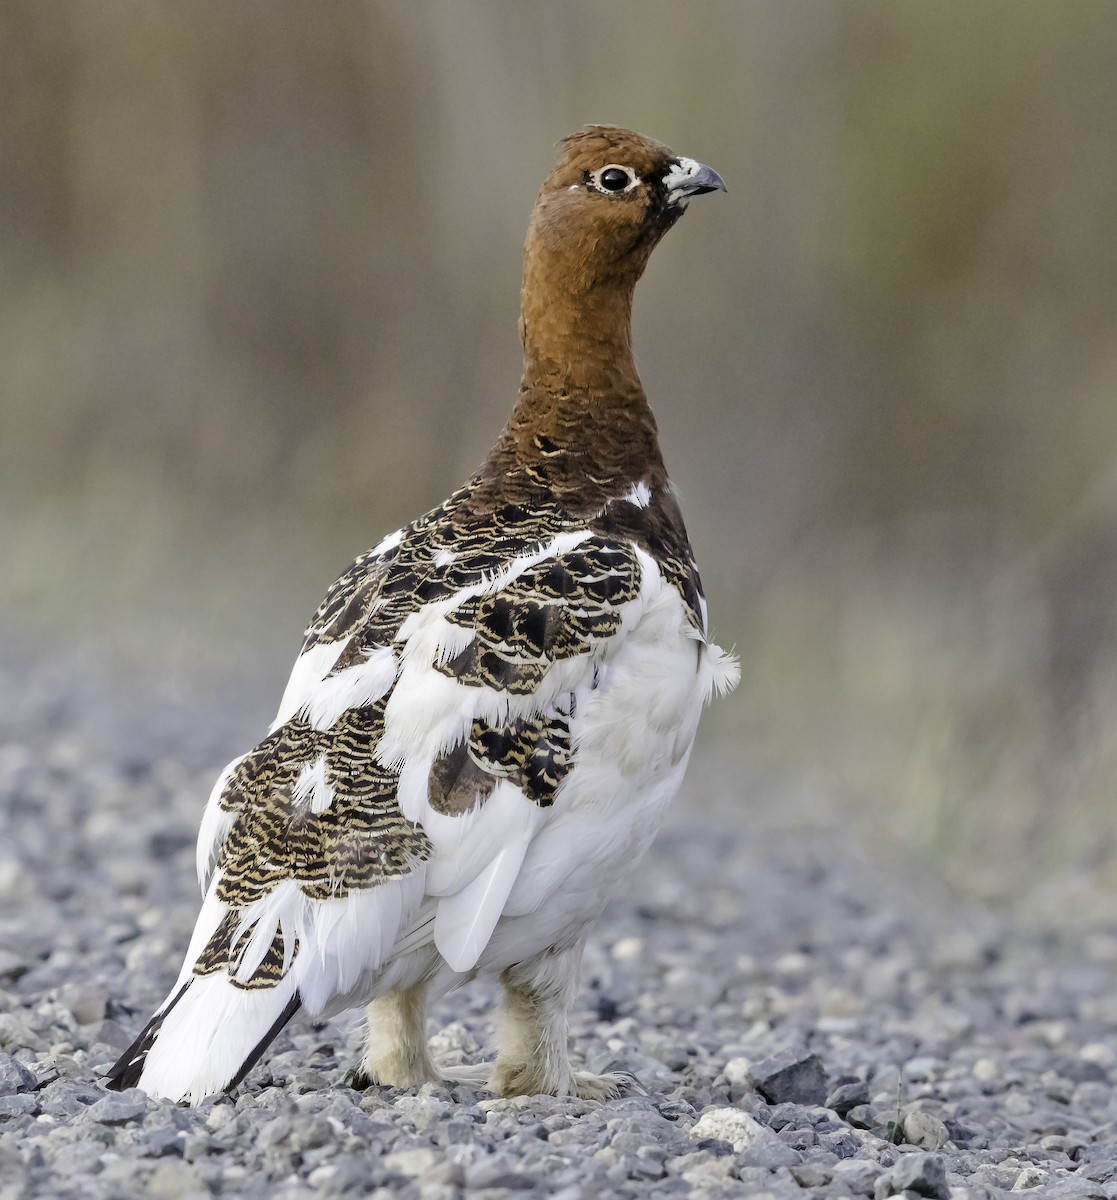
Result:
[259,265]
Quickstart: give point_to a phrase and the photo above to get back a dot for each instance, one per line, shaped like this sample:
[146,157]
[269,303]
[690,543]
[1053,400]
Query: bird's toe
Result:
[606,1086]
[474,1075]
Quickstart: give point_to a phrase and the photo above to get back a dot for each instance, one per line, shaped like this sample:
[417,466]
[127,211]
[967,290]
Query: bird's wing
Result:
[421,744]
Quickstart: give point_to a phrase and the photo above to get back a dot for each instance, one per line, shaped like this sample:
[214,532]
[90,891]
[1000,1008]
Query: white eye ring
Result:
[598,181]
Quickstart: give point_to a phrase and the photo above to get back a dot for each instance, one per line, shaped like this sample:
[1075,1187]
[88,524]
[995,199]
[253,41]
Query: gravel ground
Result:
[801,1020]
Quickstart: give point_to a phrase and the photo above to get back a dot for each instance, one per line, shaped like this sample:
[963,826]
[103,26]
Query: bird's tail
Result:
[205,1038]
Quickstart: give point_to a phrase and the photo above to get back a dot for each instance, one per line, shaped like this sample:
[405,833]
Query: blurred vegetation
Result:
[258,284]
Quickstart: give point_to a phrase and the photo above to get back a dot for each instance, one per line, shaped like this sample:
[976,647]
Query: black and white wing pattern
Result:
[481,706]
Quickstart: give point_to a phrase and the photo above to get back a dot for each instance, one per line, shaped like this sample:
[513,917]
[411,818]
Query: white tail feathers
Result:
[206,1038]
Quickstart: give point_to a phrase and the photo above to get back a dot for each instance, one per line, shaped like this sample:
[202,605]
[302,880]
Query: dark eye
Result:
[615,179]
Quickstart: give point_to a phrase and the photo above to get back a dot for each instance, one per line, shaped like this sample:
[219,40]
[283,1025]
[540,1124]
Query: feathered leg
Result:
[397,1054]
[533,1057]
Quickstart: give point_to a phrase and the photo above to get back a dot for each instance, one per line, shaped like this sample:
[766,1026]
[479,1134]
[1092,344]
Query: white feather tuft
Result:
[312,789]
[354,687]
[639,494]
[311,667]
[724,668]
[216,823]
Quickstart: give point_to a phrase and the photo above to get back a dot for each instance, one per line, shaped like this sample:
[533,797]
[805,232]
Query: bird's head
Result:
[609,199]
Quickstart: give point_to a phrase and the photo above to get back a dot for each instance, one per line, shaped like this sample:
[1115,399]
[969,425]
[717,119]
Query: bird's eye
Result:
[613,179]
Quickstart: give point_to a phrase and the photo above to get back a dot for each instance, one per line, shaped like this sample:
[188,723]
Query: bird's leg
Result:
[397,1054]
[533,1058]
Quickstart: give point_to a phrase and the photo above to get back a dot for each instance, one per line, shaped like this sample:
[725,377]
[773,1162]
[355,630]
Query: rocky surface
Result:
[803,1018]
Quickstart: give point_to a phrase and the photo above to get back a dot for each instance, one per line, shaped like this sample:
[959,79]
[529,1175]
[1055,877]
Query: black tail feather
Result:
[253,1058]
[126,1071]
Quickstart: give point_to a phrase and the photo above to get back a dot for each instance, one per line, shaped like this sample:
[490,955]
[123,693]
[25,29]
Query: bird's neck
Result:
[576,327]
[581,429]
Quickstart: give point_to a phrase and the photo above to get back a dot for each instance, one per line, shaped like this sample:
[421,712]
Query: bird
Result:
[491,710]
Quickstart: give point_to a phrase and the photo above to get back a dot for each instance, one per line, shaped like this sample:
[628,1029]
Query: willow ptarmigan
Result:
[491,710]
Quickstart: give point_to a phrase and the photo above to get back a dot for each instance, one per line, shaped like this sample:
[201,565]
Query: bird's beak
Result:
[689,178]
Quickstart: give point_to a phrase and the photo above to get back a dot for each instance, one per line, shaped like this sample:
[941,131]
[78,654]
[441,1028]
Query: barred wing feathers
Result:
[420,747]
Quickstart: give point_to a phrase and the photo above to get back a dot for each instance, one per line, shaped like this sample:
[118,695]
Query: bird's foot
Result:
[474,1076]
[525,1079]
[606,1086]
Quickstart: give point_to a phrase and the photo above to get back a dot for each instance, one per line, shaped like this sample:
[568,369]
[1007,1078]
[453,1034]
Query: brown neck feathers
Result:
[581,429]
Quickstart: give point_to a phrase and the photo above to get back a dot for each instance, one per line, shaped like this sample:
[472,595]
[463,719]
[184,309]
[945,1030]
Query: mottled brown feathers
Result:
[361,839]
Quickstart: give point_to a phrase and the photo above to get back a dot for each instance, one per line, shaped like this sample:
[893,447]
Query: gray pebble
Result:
[847,1096]
[66,1097]
[811,1175]
[923,1174]
[16,1105]
[118,1108]
[925,1130]
[86,1002]
[790,1076]
[14,1076]
[1100,1172]
[856,1176]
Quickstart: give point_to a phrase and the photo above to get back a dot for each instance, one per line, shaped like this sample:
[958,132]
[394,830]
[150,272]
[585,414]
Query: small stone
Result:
[112,1034]
[1095,1151]
[122,1174]
[17,1105]
[15,883]
[1098,1052]
[175,1181]
[988,1070]
[1017,1104]
[923,1174]
[14,1033]
[736,1071]
[1099,1172]
[67,1097]
[14,1076]
[220,1116]
[756,1143]
[628,949]
[790,1076]
[162,1141]
[926,1131]
[321,1178]
[729,1125]
[12,966]
[886,1127]
[118,1109]
[81,1157]
[855,1176]
[86,1002]
[496,1171]
[701,1167]
[421,1110]
[811,1175]
[411,1162]
[1029,1177]
[847,1097]
[840,1004]
[921,1068]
